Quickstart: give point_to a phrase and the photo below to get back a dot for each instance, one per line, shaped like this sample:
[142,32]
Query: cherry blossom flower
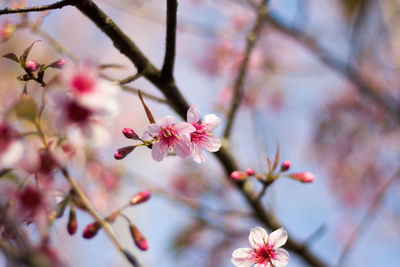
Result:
[265,251]
[202,137]
[169,137]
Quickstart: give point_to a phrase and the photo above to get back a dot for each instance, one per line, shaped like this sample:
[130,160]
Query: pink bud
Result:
[91,230]
[72,222]
[138,238]
[129,133]
[31,66]
[238,175]
[285,165]
[304,177]
[250,171]
[122,152]
[59,64]
[140,197]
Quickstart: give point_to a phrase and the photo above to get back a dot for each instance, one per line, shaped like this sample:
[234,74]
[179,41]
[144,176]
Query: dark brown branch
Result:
[373,208]
[178,103]
[372,92]
[169,59]
[56,5]
[252,38]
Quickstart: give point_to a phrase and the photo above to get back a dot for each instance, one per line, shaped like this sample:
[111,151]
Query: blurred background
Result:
[323,82]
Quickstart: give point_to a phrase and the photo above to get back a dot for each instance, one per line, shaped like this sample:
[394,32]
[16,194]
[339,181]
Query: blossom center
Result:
[168,136]
[78,113]
[82,83]
[264,254]
[200,135]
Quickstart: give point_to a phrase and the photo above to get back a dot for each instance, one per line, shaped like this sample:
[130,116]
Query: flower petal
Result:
[258,236]
[159,151]
[212,121]
[193,114]
[182,147]
[184,128]
[197,154]
[151,130]
[263,265]
[213,143]
[281,257]
[278,238]
[242,257]
[166,121]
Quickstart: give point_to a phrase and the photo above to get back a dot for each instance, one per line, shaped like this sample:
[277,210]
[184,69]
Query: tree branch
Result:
[252,38]
[169,59]
[178,103]
[56,5]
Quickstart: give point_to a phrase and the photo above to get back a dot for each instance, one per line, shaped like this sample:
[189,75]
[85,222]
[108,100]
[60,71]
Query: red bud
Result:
[250,171]
[122,152]
[140,197]
[285,165]
[138,238]
[31,66]
[59,64]
[91,230]
[238,175]
[304,177]
[130,134]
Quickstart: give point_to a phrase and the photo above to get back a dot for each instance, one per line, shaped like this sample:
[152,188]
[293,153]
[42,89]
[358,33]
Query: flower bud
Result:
[59,64]
[31,66]
[130,134]
[238,175]
[122,152]
[138,238]
[304,177]
[140,197]
[250,171]
[91,230]
[72,222]
[285,165]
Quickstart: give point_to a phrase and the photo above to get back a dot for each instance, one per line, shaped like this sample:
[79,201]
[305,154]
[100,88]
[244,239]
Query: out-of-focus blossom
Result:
[202,137]
[265,249]
[84,100]
[10,147]
[6,30]
[169,137]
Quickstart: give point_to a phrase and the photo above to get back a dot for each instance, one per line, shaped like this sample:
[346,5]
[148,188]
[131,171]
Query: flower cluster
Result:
[182,138]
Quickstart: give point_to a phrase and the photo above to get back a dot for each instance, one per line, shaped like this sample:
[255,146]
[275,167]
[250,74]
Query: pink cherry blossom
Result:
[202,137]
[169,137]
[265,251]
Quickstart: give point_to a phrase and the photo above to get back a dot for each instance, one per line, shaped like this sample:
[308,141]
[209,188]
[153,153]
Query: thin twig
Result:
[373,208]
[130,78]
[56,5]
[104,224]
[169,58]
[252,38]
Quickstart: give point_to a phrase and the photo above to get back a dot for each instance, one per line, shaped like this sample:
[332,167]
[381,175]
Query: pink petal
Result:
[241,257]
[166,121]
[213,143]
[263,265]
[182,147]
[258,236]
[184,128]
[193,114]
[159,151]
[278,238]
[151,130]
[281,257]
[212,121]
[197,154]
